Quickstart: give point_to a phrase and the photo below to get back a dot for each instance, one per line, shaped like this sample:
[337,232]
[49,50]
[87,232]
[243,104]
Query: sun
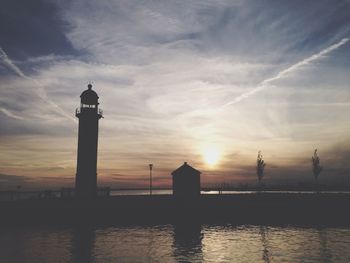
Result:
[211,156]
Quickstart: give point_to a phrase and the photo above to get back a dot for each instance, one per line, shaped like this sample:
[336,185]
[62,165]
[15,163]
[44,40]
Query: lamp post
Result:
[150,178]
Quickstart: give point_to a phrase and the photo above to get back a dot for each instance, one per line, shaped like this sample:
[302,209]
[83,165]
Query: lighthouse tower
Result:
[88,115]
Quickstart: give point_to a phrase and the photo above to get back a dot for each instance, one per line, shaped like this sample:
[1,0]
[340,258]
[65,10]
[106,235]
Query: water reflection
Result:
[178,243]
[265,243]
[325,252]
[187,244]
[83,242]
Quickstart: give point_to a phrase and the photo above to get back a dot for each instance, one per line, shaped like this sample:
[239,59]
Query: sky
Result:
[207,82]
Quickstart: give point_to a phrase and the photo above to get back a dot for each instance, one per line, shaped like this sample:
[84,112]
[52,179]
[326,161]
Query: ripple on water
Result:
[182,243]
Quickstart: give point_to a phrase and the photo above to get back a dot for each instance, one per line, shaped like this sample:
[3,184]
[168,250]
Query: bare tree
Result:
[316,167]
[260,166]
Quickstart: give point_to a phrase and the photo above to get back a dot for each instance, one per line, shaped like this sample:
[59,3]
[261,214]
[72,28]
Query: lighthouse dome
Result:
[89,96]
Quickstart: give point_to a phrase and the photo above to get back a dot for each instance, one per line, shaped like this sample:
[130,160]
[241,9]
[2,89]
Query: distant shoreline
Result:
[51,194]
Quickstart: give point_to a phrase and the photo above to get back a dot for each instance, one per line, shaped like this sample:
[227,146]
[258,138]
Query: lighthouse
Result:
[89,115]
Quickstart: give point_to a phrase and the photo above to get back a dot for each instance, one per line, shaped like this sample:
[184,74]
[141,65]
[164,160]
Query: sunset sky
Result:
[207,82]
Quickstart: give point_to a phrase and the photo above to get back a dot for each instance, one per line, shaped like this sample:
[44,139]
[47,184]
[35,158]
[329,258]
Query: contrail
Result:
[265,83]
[40,91]
[9,64]
[10,114]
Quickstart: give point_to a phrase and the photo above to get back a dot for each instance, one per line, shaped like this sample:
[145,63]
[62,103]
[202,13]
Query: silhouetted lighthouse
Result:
[88,115]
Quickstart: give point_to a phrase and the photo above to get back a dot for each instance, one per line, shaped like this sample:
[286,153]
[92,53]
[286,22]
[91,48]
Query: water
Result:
[168,243]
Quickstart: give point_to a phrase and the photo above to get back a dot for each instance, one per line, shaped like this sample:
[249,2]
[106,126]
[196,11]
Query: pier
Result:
[254,208]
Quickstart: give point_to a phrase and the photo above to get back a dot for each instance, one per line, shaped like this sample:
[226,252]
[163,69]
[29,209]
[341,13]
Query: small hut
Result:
[186,181]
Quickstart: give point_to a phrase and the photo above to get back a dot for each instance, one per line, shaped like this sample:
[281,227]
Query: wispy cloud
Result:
[166,73]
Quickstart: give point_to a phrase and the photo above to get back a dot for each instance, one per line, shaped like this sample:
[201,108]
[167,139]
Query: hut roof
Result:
[185,169]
